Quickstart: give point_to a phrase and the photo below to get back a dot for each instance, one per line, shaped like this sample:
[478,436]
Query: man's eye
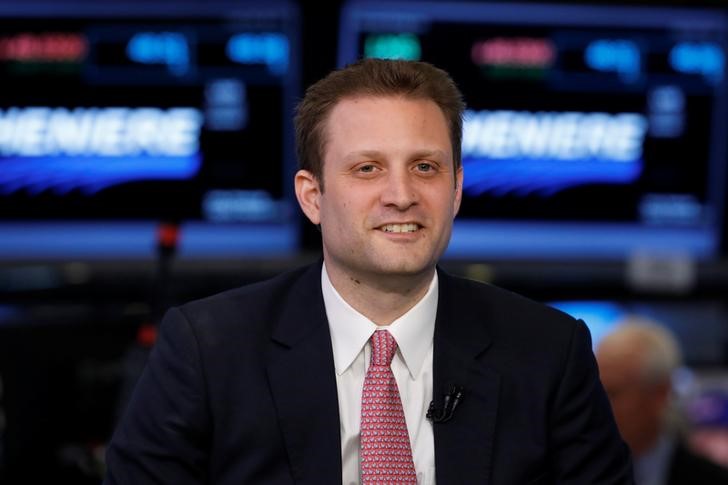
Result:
[366,168]
[424,167]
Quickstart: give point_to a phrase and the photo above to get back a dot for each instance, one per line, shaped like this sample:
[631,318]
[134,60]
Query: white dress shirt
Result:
[412,368]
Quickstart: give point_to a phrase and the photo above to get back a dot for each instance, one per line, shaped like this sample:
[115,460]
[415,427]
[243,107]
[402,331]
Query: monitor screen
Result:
[698,326]
[591,132]
[116,116]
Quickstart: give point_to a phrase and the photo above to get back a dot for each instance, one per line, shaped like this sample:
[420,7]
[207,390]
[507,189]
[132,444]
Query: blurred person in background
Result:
[636,365]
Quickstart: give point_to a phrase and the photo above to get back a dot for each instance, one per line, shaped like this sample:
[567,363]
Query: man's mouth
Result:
[409,227]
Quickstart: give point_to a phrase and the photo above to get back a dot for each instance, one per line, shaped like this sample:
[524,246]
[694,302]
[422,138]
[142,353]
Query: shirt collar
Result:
[350,330]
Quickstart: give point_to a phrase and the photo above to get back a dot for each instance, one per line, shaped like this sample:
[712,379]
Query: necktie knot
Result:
[383,348]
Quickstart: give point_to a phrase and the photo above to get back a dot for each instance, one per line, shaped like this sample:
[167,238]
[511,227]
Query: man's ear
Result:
[458,190]
[308,193]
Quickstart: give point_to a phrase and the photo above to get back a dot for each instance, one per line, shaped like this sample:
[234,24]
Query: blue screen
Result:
[592,132]
[698,327]
[116,116]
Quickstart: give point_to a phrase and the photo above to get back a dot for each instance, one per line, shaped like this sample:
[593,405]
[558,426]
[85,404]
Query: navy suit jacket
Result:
[240,388]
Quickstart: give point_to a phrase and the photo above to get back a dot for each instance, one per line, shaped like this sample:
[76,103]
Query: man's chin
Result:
[405,268]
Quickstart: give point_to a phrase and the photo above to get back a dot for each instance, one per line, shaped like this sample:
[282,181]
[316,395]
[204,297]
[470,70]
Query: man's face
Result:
[390,191]
[638,407]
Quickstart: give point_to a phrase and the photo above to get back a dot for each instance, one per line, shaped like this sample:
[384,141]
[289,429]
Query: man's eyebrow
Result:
[376,154]
[360,154]
[434,153]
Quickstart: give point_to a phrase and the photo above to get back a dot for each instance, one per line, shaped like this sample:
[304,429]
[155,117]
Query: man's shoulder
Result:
[526,339]
[500,304]
[260,289]
[511,320]
[253,301]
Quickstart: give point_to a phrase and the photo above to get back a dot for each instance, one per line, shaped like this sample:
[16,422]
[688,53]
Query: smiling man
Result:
[390,195]
[373,365]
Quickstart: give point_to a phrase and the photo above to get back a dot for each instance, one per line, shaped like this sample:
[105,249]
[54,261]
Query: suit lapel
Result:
[303,383]
[463,445]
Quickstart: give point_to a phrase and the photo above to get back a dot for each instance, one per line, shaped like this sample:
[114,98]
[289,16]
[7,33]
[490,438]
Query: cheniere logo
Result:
[524,152]
[90,149]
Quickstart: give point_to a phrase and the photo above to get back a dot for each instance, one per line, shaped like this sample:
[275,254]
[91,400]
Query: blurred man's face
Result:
[638,406]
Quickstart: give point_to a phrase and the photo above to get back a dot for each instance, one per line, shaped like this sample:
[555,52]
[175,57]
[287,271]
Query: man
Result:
[636,363]
[290,380]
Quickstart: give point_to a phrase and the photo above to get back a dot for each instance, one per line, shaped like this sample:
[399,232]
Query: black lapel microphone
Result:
[450,402]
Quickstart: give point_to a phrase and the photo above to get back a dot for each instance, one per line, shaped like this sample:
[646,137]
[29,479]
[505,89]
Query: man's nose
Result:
[400,190]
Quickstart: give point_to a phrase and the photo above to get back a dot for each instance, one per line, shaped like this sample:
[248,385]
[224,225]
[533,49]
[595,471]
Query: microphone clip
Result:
[451,401]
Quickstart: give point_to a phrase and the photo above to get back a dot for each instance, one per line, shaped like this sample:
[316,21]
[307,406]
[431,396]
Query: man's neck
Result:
[648,441]
[380,299]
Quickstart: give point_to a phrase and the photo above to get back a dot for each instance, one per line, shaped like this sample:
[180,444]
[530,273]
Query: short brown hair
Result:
[373,77]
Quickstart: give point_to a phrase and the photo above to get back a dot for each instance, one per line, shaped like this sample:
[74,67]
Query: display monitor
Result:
[118,116]
[698,326]
[591,132]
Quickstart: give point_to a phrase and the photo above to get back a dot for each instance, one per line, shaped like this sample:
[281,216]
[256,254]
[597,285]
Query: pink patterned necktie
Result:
[386,455]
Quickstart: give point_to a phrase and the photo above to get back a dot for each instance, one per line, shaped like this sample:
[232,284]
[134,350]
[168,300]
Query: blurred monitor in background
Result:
[593,132]
[699,326]
[117,115]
